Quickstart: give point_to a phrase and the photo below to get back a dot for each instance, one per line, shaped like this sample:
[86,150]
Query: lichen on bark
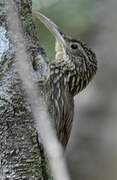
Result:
[21,153]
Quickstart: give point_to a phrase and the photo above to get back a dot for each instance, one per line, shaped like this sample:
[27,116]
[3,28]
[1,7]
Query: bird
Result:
[74,66]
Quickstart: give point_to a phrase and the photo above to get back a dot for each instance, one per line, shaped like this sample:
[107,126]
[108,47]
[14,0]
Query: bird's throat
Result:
[60,52]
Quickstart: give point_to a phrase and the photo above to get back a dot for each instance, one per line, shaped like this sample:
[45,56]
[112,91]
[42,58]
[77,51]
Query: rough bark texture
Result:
[21,155]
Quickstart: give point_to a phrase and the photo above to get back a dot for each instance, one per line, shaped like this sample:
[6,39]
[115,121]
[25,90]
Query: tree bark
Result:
[21,153]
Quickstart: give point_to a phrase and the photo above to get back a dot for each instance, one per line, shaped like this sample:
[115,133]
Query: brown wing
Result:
[61,101]
[66,120]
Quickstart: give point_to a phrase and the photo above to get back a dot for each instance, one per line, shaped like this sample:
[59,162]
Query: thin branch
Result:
[39,110]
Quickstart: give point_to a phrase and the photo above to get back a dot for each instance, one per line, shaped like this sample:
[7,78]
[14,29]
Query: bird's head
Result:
[70,49]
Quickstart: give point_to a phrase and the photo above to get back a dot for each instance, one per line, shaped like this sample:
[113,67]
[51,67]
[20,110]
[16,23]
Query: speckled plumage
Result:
[70,72]
[68,78]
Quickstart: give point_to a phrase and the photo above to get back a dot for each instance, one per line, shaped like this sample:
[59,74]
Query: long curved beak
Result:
[53,28]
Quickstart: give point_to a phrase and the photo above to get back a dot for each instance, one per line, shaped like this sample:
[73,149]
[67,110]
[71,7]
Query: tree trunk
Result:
[21,153]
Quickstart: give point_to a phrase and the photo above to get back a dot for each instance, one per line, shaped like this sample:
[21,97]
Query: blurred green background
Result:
[92,149]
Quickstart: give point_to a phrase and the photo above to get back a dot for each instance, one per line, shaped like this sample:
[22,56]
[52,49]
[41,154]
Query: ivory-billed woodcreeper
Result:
[74,66]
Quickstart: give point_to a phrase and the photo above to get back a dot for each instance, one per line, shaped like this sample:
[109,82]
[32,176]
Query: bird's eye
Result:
[74,46]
